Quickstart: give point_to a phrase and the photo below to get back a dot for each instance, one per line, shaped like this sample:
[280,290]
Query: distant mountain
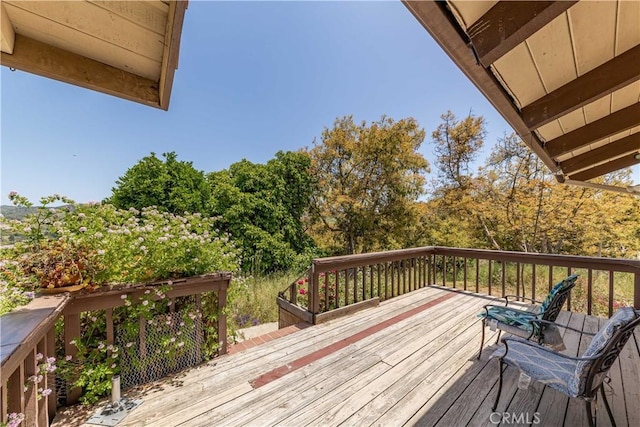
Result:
[16,212]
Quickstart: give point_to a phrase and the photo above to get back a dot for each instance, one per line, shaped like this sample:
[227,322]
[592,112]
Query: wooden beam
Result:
[48,61]
[603,80]
[609,151]
[617,122]
[614,165]
[446,32]
[175,20]
[7,35]
[509,23]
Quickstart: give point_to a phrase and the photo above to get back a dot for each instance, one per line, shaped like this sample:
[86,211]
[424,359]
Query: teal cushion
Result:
[515,318]
[554,291]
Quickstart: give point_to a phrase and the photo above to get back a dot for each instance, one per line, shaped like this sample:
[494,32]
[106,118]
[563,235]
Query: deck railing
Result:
[335,286]
[29,332]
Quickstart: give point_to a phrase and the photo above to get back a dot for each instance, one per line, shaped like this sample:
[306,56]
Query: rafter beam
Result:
[48,61]
[509,23]
[617,148]
[603,80]
[614,165]
[617,122]
[7,34]
[170,55]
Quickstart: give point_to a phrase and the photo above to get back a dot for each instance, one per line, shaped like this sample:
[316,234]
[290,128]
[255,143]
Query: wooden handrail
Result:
[387,274]
[25,333]
[30,330]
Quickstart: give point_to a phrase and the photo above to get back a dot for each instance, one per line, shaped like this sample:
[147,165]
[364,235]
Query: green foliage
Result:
[171,185]
[369,178]
[262,207]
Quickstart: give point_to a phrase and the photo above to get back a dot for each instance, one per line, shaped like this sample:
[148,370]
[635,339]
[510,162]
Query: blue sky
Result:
[253,78]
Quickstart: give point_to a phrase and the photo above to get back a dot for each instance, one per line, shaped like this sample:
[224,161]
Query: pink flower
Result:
[303,291]
[300,282]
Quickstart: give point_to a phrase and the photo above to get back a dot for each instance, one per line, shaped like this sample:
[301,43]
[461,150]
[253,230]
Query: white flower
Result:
[180,344]
[172,339]
[83,229]
[145,302]
[68,358]
[39,356]
[123,296]
[46,392]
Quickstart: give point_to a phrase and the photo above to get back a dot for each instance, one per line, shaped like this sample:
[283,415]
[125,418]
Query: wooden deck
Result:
[410,361]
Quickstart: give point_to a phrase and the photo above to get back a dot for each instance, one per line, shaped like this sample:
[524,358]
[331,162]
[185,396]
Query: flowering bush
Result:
[97,244]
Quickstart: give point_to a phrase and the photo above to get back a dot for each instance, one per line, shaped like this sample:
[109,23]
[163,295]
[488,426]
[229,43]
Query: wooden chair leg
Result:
[606,405]
[482,341]
[495,404]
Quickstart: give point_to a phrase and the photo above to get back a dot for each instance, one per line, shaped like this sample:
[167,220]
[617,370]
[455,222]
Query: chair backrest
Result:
[606,346]
[551,306]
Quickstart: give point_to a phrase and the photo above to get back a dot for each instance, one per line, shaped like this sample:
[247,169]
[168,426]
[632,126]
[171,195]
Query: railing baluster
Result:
[589,290]
[477,275]
[338,290]
[52,399]
[371,280]
[346,287]
[465,274]
[611,295]
[636,290]
[490,277]
[550,277]
[503,274]
[454,270]
[569,297]
[31,390]
[533,281]
[47,383]
[15,387]
[386,280]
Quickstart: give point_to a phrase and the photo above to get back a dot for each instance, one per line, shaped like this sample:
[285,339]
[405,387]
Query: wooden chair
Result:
[519,322]
[578,377]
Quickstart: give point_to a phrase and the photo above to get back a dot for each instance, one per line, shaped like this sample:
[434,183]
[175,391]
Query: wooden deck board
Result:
[419,370]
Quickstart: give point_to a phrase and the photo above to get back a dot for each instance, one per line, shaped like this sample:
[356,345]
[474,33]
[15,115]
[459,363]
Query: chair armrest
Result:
[523,341]
[546,322]
[518,297]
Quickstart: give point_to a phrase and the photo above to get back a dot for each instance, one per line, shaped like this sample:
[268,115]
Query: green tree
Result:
[171,185]
[369,177]
[262,206]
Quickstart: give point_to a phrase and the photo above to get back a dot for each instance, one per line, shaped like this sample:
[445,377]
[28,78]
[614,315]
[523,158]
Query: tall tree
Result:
[457,143]
[172,185]
[262,206]
[369,177]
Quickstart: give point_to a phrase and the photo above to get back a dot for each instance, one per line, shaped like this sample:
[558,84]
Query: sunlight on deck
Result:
[410,361]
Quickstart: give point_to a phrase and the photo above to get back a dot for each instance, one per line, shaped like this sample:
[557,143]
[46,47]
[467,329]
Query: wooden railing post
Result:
[314,295]
[222,320]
